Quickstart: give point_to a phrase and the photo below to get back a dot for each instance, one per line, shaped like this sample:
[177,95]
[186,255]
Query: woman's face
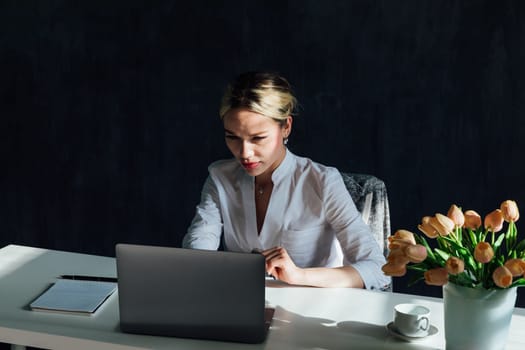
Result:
[255,141]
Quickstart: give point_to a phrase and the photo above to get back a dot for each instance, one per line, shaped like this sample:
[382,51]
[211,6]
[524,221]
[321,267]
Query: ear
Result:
[286,128]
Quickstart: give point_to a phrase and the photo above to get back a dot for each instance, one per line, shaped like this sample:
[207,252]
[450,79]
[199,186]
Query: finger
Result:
[277,267]
[269,251]
[273,256]
[270,268]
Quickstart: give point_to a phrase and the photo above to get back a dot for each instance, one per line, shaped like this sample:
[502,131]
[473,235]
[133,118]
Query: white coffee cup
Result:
[412,320]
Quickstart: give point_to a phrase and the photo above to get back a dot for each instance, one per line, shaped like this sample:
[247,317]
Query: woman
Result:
[296,212]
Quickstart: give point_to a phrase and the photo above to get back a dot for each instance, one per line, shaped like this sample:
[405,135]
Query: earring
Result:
[285,141]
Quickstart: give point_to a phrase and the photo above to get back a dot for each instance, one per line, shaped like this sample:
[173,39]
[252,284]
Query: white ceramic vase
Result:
[477,319]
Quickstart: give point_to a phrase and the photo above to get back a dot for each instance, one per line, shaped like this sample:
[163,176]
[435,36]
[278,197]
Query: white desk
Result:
[305,318]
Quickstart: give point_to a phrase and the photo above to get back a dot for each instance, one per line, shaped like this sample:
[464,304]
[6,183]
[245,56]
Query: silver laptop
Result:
[192,293]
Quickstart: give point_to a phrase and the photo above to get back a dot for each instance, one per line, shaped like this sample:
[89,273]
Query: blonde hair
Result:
[265,93]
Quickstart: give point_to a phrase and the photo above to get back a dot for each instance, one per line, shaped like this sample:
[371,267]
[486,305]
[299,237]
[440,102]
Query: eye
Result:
[258,138]
[230,137]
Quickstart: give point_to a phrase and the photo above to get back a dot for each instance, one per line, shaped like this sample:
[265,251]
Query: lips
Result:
[250,166]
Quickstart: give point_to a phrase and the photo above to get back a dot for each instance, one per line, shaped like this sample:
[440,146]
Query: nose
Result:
[246,151]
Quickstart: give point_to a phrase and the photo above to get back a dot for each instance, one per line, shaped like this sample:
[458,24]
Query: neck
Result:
[266,178]
[261,186]
[262,182]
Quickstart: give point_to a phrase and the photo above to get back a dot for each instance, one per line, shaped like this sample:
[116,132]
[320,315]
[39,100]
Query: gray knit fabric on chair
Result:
[370,197]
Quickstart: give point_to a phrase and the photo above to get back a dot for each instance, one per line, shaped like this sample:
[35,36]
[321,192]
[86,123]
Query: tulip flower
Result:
[455,265]
[398,243]
[456,215]
[494,221]
[436,277]
[397,257]
[472,220]
[416,253]
[426,228]
[403,235]
[516,267]
[442,224]
[510,212]
[477,254]
[483,252]
[394,270]
[502,277]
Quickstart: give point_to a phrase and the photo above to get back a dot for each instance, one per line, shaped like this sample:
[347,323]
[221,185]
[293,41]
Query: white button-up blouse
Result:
[310,214]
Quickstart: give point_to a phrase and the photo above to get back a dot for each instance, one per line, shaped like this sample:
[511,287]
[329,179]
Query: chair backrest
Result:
[370,197]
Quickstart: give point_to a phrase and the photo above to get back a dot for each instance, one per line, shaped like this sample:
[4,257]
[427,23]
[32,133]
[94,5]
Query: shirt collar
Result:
[285,168]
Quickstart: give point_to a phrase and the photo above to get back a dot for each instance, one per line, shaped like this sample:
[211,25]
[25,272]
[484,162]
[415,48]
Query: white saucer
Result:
[393,331]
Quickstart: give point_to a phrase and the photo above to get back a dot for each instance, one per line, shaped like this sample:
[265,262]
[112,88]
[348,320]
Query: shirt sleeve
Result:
[359,247]
[206,227]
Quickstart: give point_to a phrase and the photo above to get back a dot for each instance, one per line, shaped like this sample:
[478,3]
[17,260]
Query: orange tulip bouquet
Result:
[466,252]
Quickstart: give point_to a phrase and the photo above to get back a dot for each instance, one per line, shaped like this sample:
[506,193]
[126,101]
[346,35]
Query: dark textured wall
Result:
[109,108]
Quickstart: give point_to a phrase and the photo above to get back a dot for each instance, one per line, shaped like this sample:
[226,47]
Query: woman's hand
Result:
[280,265]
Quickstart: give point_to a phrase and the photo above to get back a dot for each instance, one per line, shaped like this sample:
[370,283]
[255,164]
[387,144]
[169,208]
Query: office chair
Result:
[370,197]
